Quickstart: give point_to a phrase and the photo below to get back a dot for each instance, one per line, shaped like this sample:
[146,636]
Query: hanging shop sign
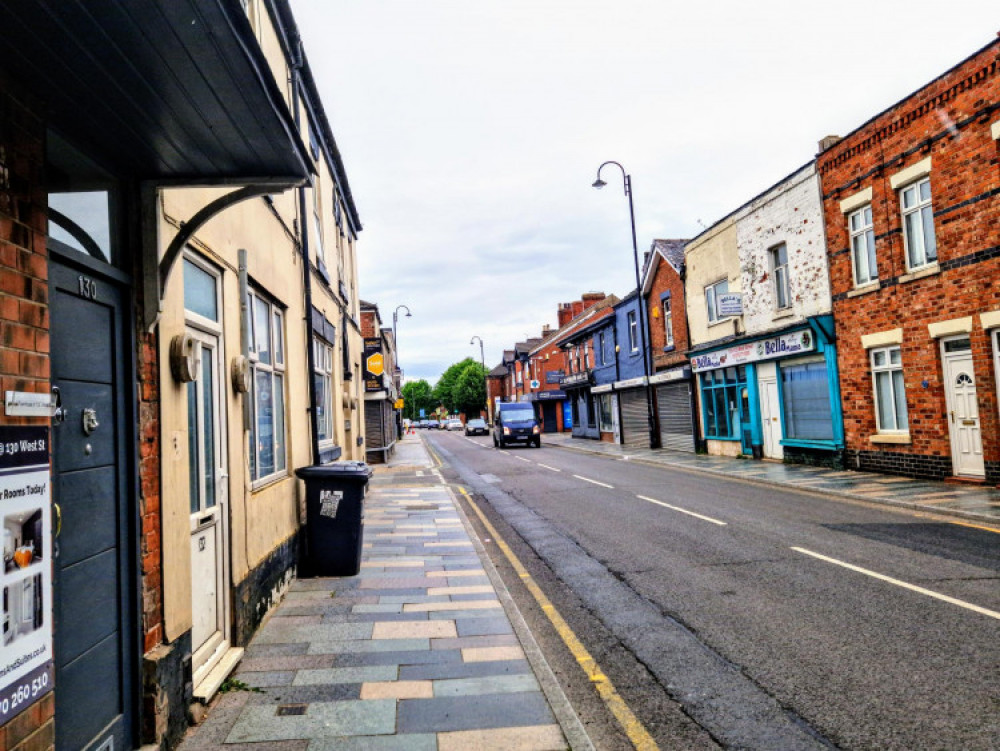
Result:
[782,345]
[374,364]
[26,667]
[730,304]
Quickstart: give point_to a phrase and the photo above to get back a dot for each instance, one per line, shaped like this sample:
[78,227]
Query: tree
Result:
[462,387]
[470,390]
[417,395]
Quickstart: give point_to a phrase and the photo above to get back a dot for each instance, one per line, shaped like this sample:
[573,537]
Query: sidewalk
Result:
[979,503]
[422,650]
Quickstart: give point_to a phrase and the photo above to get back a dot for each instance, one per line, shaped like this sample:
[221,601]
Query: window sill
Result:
[671,348]
[268,481]
[721,321]
[783,313]
[720,438]
[865,289]
[923,271]
[902,438]
[816,443]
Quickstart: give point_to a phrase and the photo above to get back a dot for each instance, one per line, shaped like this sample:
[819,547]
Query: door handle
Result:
[58,511]
[58,414]
[952,413]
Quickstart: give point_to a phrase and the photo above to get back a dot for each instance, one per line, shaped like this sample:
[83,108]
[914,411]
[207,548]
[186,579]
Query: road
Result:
[739,616]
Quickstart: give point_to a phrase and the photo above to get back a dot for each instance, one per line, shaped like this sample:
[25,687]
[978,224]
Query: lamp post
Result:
[395,344]
[599,183]
[486,382]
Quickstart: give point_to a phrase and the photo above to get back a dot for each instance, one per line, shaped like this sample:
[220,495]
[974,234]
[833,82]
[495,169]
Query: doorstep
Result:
[209,686]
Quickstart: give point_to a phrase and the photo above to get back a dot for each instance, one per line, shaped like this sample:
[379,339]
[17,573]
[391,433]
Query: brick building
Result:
[912,210]
[663,290]
[382,420]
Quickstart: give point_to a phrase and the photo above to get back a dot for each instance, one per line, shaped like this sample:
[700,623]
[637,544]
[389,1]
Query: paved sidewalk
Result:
[416,652]
[980,503]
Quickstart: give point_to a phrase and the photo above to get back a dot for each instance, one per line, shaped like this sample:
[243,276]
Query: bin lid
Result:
[353,469]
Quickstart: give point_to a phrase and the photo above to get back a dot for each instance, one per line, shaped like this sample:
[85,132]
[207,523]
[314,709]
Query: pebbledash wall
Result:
[24,317]
[919,333]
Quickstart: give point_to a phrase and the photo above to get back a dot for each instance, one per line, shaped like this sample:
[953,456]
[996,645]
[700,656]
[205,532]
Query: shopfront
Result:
[675,408]
[775,396]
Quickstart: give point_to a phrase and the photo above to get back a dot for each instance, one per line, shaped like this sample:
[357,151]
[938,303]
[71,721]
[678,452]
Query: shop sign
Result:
[550,395]
[29,404]
[553,376]
[730,304]
[783,345]
[374,364]
[26,667]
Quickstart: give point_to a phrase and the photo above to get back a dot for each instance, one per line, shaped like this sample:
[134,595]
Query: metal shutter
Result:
[373,425]
[635,418]
[673,401]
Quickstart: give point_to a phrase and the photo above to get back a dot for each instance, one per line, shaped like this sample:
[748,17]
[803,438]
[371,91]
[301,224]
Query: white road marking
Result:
[548,467]
[595,482]
[904,585]
[522,459]
[682,510]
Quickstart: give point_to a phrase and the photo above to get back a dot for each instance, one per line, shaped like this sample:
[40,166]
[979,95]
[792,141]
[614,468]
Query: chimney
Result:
[546,330]
[828,142]
[564,313]
[589,299]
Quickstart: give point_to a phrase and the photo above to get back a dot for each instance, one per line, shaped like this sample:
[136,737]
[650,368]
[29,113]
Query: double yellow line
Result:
[634,729]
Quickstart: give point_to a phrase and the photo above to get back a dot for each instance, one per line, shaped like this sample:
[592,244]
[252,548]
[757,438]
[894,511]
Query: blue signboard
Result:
[567,414]
[422,412]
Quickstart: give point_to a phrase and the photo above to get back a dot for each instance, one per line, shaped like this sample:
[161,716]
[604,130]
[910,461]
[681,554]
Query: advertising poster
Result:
[374,364]
[26,668]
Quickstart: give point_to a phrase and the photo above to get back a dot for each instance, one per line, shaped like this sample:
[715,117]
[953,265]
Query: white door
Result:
[207,488]
[963,409]
[770,417]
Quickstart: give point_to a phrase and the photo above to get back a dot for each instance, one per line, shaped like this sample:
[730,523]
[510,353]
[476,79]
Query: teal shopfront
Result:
[773,396]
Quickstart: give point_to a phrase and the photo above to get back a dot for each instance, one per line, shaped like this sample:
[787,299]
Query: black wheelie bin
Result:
[335,516]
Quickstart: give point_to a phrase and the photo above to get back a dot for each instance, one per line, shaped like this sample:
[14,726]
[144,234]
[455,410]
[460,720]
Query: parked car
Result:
[455,424]
[516,423]
[476,426]
[424,424]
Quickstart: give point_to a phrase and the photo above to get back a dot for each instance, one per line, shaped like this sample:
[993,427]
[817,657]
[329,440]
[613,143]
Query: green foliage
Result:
[417,395]
[235,684]
[462,387]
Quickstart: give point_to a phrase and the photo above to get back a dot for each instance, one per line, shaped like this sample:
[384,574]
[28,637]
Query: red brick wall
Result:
[368,330]
[149,488]
[24,314]
[949,120]
[666,279]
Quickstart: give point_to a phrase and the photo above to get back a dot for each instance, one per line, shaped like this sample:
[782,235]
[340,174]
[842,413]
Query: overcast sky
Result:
[472,130]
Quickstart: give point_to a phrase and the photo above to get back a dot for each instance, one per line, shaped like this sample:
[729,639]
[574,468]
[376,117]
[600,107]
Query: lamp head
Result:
[599,183]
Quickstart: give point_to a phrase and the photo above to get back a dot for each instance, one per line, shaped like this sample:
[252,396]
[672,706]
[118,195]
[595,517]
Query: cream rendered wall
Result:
[262,518]
[790,213]
[709,258]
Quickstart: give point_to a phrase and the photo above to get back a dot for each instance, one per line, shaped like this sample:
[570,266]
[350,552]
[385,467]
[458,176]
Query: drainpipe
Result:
[306,270]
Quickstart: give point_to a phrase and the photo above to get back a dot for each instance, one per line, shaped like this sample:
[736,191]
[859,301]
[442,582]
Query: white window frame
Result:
[888,367]
[861,231]
[276,369]
[318,226]
[668,321]
[712,300]
[781,288]
[323,369]
[603,349]
[923,208]
[633,331]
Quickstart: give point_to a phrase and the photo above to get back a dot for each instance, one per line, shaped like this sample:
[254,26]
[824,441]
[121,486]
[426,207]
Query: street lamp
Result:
[486,382]
[395,344]
[599,183]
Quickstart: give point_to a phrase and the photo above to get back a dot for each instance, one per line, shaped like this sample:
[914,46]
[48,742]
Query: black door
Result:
[93,577]
[549,422]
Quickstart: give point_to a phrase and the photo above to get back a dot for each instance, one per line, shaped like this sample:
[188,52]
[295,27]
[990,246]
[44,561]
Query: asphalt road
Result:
[729,615]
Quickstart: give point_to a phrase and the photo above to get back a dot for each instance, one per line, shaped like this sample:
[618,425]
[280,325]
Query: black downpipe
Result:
[306,270]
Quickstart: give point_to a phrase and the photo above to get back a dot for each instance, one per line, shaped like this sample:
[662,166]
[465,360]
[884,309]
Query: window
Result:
[918,224]
[633,333]
[323,379]
[712,293]
[267,359]
[805,398]
[859,225]
[720,400]
[601,351]
[605,418]
[779,276]
[668,322]
[317,237]
[586,356]
[890,395]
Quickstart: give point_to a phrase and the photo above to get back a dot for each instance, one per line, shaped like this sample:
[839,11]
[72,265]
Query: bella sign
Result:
[783,345]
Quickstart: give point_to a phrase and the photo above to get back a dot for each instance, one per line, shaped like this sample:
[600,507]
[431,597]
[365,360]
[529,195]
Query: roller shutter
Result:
[635,418]
[673,402]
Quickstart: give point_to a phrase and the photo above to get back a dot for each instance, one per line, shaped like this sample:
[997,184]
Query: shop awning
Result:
[173,92]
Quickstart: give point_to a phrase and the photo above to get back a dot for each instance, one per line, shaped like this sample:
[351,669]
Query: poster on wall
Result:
[26,668]
[374,364]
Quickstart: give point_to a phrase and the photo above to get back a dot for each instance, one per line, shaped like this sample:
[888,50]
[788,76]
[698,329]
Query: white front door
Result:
[963,409]
[207,489]
[770,417]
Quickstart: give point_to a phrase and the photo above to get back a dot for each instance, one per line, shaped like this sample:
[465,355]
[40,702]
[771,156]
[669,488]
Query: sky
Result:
[472,130]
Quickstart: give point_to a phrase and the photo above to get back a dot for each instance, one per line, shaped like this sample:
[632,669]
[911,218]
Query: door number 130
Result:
[88,287]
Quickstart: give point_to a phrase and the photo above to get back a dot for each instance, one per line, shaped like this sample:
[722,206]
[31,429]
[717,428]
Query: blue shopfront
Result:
[773,396]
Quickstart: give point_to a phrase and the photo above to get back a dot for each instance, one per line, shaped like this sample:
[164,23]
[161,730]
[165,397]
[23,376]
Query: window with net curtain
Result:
[806,402]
